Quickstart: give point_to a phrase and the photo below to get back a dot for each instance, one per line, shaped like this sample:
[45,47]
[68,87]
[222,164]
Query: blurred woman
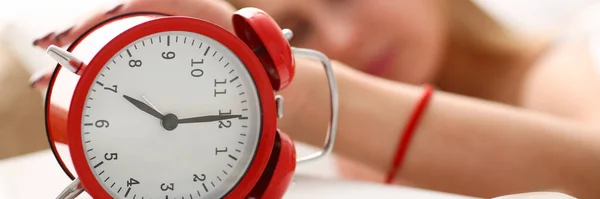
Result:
[511,113]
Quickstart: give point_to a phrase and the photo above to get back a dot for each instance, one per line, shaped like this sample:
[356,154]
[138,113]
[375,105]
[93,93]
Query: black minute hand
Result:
[208,118]
[144,107]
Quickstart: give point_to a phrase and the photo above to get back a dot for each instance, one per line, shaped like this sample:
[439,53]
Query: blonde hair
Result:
[474,37]
[474,32]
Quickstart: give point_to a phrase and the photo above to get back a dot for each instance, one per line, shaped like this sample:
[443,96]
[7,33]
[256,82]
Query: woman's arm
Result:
[566,82]
[462,145]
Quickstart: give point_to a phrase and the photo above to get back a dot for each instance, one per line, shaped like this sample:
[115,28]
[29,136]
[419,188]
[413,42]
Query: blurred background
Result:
[22,129]
[21,108]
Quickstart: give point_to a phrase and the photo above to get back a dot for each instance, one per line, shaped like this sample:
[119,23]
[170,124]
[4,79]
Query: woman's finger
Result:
[45,41]
[67,36]
[218,12]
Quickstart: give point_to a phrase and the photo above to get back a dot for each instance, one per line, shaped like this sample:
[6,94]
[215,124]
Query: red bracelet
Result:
[408,133]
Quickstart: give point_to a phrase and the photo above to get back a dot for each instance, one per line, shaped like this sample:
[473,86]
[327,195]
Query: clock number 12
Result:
[226,123]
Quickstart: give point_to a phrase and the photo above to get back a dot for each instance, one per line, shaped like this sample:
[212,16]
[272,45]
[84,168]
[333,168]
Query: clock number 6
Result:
[135,63]
[102,123]
[165,187]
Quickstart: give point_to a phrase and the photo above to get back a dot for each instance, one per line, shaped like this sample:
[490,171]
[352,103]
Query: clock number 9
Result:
[165,187]
[135,63]
[168,55]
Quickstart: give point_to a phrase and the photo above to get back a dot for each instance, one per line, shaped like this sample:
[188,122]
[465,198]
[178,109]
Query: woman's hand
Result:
[218,12]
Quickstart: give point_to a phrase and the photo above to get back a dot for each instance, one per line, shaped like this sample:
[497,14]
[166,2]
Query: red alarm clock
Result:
[158,106]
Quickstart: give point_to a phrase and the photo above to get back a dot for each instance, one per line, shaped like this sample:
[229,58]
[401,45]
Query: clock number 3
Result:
[166,187]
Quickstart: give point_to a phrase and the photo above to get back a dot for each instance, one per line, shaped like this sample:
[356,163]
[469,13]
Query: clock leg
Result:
[71,191]
[279,172]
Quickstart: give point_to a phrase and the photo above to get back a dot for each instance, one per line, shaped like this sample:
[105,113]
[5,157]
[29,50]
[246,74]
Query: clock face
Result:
[171,115]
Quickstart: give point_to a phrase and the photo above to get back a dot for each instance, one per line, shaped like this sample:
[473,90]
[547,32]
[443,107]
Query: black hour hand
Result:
[144,107]
[208,118]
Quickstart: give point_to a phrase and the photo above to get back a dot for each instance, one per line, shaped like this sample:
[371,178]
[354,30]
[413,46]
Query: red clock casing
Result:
[259,44]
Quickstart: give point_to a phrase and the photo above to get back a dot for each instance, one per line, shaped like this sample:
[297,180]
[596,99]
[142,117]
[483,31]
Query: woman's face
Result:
[400,40]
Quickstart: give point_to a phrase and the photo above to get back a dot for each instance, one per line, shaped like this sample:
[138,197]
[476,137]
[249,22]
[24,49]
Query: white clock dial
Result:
[172,115]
